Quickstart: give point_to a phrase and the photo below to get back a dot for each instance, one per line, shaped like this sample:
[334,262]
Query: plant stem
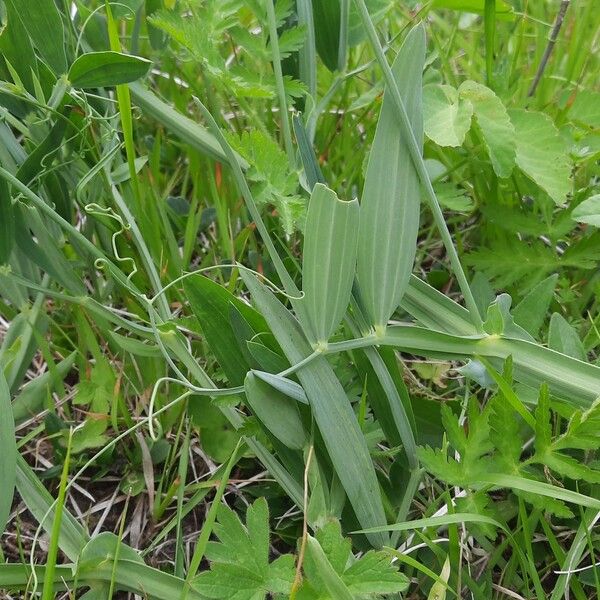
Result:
[285,121]
[560,17]
[415,152]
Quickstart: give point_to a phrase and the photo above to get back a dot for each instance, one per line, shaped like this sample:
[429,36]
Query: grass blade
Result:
[8,458]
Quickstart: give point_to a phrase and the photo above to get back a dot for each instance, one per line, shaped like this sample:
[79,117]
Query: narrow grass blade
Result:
[48,587]
[72,536]
[390,203]
[42,21]
[307,55]
[276,411]
[331,409]
[8,456]
[329,260]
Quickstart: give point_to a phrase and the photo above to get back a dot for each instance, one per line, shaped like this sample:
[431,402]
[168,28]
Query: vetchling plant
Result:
[286,358]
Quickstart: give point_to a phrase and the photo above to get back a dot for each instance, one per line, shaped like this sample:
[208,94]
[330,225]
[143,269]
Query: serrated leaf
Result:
[447,117]
[390,203]
[329,260]
[240,567]
[374,573]
[542,153]
[495,125]
[504,433]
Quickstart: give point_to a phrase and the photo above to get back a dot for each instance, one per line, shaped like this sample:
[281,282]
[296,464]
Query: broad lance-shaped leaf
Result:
[8,457]
[329,260]
[276,411]
[44,25]
[389,212]
[104,69]
[331,409]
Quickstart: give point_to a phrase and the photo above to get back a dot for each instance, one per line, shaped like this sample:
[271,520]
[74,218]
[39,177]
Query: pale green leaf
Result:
[329,260]
[531,311]
[390,203]
[542,153]
[447,117]
[562,337]
[331,409]
[278,413]
[493,121]
[588,211]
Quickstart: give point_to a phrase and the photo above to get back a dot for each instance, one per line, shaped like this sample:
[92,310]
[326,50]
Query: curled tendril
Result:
[96,209]
[272,286]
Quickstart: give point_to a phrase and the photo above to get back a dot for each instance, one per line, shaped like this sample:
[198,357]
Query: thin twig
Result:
[560,17]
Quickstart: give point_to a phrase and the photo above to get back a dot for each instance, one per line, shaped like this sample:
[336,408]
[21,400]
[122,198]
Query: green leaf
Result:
[331,581]
[390,202]
[586,109]
[278,413]
[8,455]
[588,211]
[447,117]
[7,223]
[531,311]
[43,22]
[269,173]
[495,125]
[240,567]
[212,303]
[329,260]
[331,409]
[542,153]
[473,6]
[562,337]
[40,503]
[106,69]
[374,573]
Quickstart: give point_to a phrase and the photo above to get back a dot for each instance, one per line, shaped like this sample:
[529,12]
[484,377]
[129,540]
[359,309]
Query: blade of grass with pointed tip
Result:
[331,409]
[390,203]
[329,260]
[276,411]
[72,536]
[8,457]
[42,21]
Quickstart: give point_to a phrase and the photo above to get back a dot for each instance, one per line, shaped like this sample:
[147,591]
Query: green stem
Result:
[285,121]
[415,152]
